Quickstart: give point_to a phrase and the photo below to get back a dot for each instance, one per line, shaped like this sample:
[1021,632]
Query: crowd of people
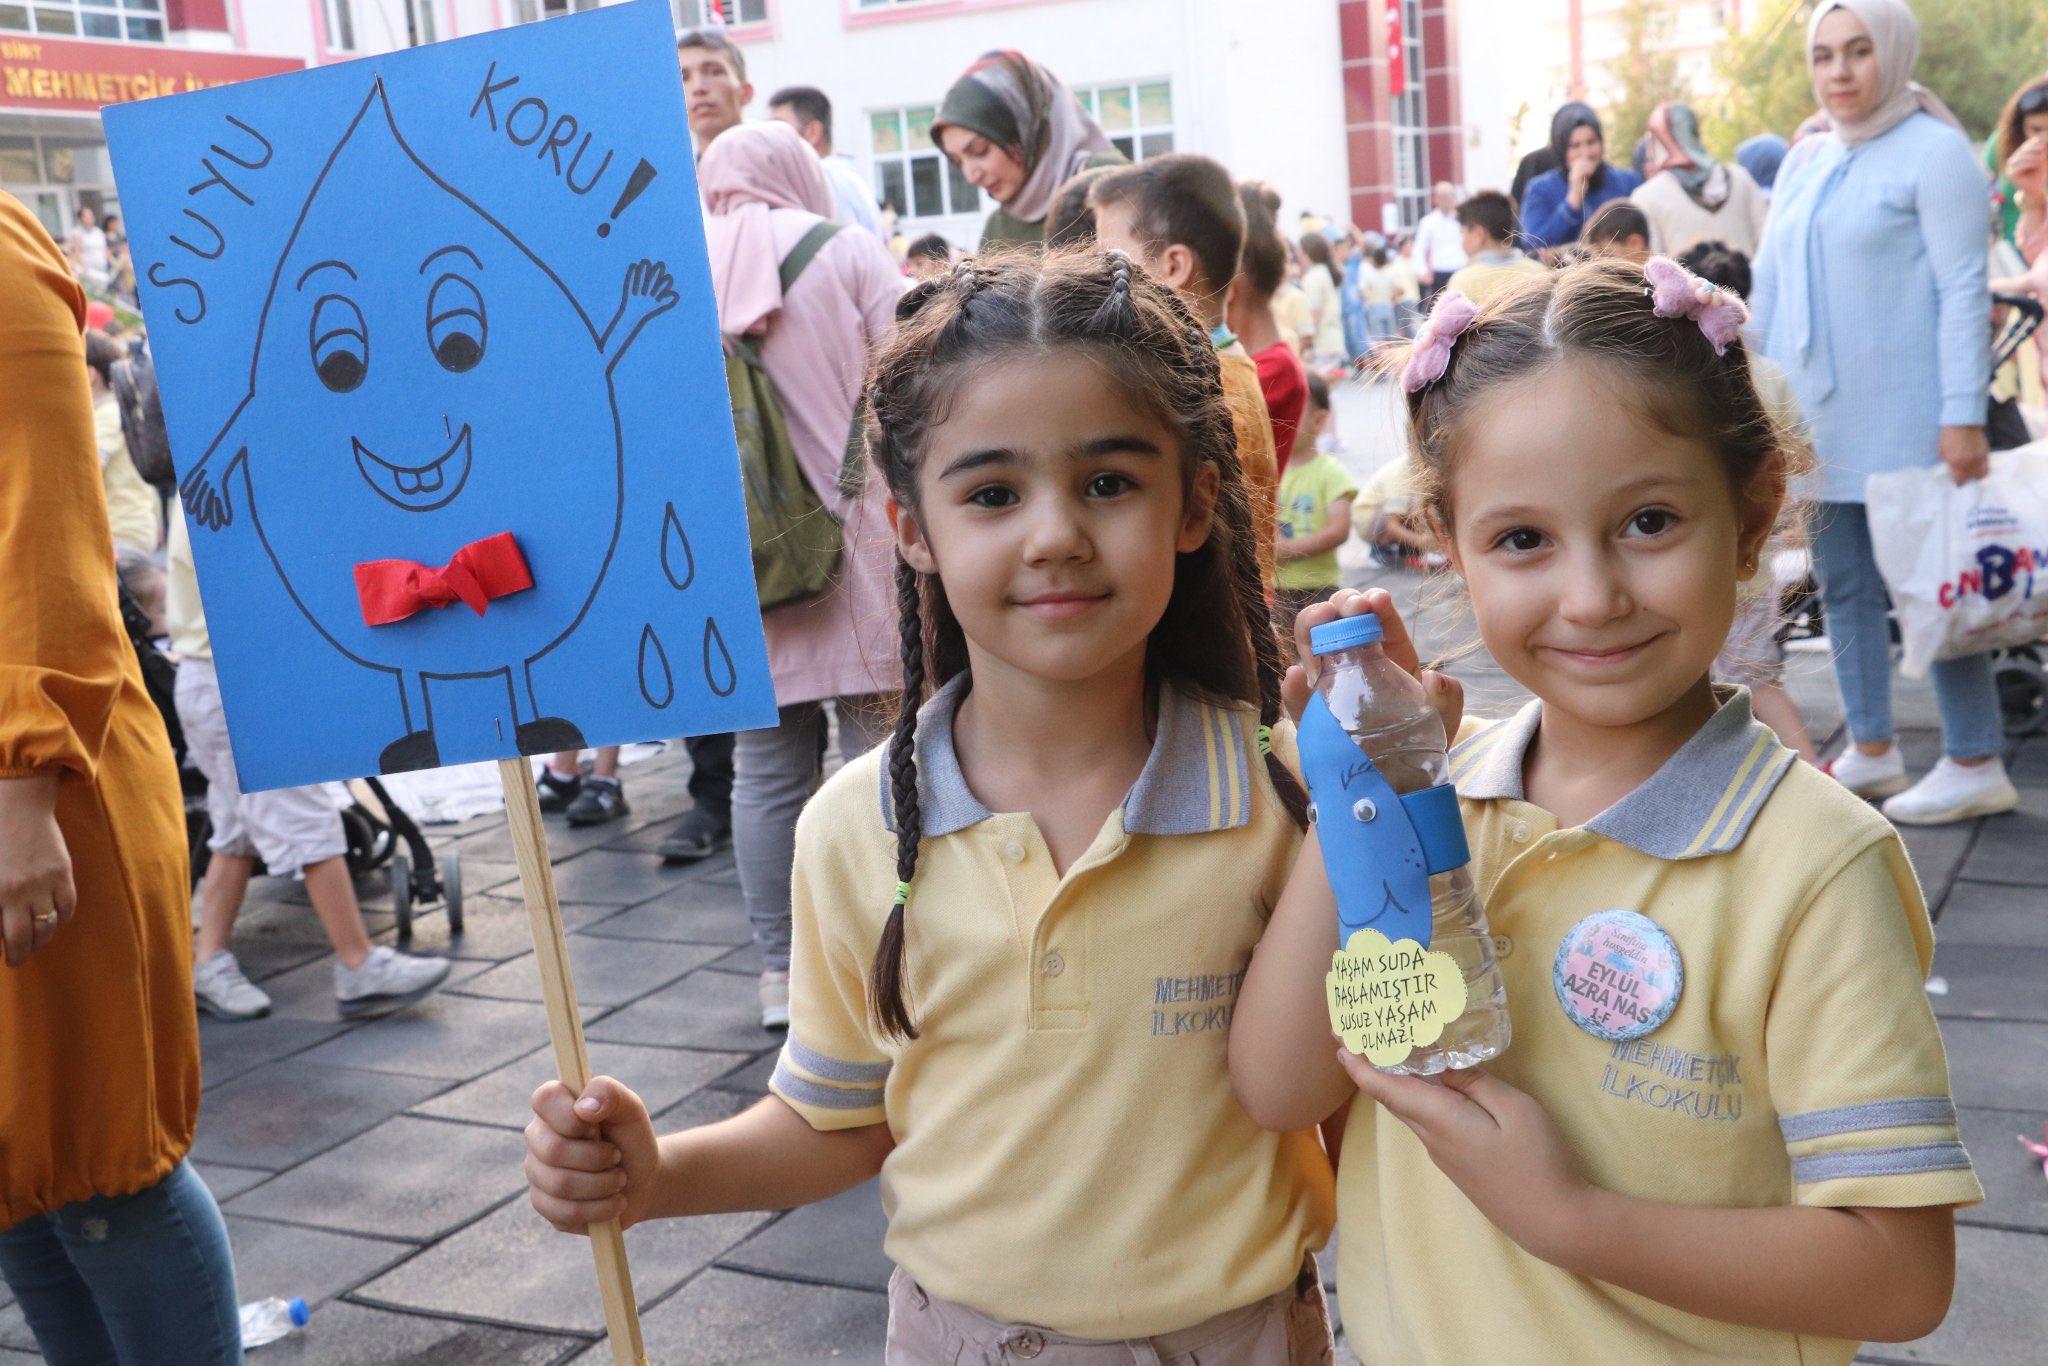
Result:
[1096,521]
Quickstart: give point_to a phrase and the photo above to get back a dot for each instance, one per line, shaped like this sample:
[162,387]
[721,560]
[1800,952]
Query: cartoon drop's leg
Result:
[416,748]
[543,734]
[649,290]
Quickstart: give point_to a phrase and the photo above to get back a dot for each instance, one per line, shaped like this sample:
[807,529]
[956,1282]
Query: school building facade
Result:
[1350,107]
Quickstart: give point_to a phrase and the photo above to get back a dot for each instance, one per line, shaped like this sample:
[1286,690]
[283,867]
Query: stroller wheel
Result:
[2022,693]
[401,895]
[451,892]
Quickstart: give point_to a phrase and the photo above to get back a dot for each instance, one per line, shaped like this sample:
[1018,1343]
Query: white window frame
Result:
[1408,114]
[533,11]
[340,18]
[958,199]
[135,21]
[720,13]
[1090,98]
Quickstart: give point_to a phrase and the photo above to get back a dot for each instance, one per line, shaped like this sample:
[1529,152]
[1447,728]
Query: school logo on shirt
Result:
[1617,975]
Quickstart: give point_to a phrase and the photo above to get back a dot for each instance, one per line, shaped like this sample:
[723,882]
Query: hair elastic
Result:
[1265,739]
[1430,356]
[902,894]
[1676,292]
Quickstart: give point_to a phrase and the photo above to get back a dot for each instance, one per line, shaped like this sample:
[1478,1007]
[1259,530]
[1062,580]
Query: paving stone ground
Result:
[373,1168]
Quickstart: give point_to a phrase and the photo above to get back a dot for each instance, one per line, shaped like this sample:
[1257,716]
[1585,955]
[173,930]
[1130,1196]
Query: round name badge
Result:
[1617,975]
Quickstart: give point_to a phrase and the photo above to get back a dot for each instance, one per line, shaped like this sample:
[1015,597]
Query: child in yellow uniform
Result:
[1758,1161]
[1083,826]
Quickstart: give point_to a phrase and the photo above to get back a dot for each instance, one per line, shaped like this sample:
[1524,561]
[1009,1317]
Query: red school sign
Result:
[45,75]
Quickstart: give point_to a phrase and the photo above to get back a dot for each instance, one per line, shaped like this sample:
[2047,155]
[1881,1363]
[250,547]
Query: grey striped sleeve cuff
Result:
[1901,1161]
[1880,1114]
[810,1078]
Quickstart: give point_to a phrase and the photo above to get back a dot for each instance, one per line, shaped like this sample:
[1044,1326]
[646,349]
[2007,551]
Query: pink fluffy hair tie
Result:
[1430,356]
[1676,292]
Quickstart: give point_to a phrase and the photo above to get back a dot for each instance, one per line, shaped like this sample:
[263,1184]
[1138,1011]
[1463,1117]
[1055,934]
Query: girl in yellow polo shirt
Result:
[1758,1162]
[1082,828]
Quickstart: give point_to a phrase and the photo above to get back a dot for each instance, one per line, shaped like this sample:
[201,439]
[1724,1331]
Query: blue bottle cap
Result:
[300,1314]
[1346,633]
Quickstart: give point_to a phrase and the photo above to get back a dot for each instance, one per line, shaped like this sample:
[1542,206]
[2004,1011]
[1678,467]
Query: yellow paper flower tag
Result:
[1388,998]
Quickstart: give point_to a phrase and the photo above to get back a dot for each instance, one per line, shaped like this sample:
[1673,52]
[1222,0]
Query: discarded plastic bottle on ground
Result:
[266,1321]
[1385,712]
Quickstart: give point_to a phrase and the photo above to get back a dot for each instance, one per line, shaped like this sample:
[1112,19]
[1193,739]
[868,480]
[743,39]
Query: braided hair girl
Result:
[1085,817]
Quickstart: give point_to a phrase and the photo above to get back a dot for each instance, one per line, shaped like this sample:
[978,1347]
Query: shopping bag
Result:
[1967,564]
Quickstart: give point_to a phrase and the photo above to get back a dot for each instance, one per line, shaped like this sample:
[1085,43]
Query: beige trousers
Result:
[1290,1328]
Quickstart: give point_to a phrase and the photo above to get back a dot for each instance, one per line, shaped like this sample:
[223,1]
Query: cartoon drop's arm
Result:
[649,290]
[204,489]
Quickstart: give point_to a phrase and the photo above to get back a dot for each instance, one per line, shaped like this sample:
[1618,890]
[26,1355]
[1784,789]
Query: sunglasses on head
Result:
[2035,101]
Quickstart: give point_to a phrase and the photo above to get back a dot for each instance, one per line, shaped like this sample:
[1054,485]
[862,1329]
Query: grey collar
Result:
[1702,801]
[1197,778]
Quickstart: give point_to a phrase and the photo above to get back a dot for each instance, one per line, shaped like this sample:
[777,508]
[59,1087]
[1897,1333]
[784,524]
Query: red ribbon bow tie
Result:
[392,590]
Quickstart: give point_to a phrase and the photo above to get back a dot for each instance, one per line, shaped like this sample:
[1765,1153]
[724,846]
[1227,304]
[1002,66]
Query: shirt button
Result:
[1028,1344]
[1521,832]
[1014,852]
[1503,946]
[1053,965]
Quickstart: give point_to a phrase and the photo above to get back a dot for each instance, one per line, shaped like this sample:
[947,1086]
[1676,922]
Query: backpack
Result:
[142,420]
[796,539]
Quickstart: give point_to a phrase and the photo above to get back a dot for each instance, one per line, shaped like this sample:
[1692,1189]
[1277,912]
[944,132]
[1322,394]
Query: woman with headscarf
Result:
[1871,293]
[766,194]
[1561,201]
[109,1241]
[1691,198]
[1017,134]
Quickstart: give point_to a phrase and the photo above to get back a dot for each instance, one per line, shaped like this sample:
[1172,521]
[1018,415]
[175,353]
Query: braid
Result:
[1267,664]
[1116,312]
[886,981]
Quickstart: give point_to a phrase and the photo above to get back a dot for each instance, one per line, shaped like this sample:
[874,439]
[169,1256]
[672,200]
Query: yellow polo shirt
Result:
[1068,1150]
[1799,1064]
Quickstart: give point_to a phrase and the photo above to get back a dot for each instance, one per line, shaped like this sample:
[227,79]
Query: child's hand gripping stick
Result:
[1388,993]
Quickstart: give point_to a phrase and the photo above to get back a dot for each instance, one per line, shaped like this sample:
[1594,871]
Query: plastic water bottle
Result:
[265,1321]
[1384,710]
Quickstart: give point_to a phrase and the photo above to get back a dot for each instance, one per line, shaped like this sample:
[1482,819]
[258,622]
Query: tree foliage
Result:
[1973,53]
[1645,77]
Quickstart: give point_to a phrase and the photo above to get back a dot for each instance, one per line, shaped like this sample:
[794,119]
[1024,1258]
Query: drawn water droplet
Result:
[677,561]
[657,683]
[718,661]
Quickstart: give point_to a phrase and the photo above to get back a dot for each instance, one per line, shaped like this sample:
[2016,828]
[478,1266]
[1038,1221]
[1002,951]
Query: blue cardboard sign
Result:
[442,377]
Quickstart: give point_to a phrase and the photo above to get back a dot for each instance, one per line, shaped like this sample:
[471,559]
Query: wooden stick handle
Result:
[565,1028]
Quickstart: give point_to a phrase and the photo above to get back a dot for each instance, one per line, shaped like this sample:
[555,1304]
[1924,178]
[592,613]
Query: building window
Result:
[713,13]
[889,4]
[1410,118]
[55,176]
[423,20]
[1137,115]
[139,21]
[341,25]
[910,171]
[530,10]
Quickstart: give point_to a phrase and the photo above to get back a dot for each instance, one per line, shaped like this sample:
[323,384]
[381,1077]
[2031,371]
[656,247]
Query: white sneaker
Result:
[1869,775]
[222,990]
[1955,792]
[774,1000]
[385,982]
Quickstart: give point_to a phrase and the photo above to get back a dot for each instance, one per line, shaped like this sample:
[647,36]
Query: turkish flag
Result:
[1397,51]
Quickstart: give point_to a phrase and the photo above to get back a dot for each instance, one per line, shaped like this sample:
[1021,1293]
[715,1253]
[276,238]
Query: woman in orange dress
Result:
[112,1246]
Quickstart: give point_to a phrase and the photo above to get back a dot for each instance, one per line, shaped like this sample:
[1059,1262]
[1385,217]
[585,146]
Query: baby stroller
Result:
[374,833]
[2021,671]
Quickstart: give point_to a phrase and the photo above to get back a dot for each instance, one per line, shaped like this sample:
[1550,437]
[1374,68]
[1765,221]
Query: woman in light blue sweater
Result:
[1871,293]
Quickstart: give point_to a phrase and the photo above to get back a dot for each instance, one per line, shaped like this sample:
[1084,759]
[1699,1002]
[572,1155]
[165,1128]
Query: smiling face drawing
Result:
[421,382]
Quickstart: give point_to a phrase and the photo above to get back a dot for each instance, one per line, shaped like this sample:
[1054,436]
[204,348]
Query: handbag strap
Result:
[806,250]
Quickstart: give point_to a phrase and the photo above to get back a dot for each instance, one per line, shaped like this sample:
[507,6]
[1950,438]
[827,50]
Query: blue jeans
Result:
[129,1280]
[1853,594]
